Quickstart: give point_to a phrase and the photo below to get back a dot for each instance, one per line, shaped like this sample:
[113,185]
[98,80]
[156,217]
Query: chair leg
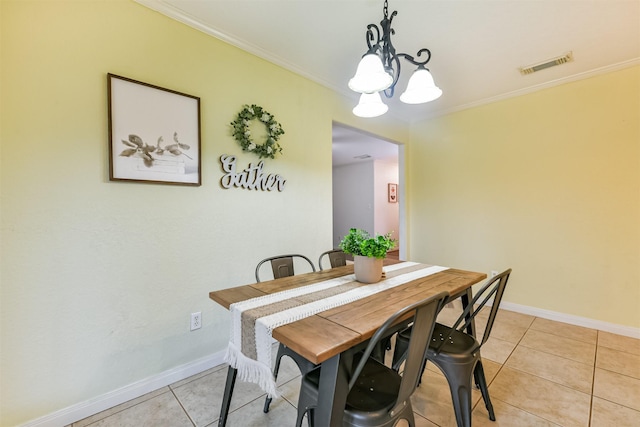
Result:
[478,373]
[228,392]
[267,402]
[476,378]
[276,368]
[311,417]
[381,349]
[424,366]
[399,353]
[459,379]
[300,416]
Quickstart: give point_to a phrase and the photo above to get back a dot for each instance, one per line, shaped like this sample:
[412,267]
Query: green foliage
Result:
[359,242]
[242,133]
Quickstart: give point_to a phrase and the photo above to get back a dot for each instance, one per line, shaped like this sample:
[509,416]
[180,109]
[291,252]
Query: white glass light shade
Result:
[370,76]
[420,88]
[370,105]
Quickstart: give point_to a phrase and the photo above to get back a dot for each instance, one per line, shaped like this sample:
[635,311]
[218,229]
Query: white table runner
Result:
[253,320]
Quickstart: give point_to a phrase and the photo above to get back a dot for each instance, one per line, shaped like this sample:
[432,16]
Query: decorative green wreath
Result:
[242,134]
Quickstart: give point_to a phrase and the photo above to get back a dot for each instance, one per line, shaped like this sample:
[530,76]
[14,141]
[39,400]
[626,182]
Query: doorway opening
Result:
[368,185]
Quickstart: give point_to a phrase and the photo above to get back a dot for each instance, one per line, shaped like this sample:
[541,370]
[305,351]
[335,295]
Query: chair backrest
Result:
[282,265]
[424,321]
[337,258]
[493,288]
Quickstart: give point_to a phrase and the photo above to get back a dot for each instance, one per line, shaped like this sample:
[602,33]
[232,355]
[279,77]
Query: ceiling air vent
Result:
[547,64]
[362,157]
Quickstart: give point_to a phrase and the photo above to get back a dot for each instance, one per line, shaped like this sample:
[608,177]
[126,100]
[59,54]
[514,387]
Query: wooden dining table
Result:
[331,337]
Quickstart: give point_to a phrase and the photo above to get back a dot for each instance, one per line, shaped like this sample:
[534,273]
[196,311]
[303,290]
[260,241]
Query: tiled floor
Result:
[541,373]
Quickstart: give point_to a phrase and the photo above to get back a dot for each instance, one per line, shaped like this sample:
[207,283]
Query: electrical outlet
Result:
[494,273]
[196,321]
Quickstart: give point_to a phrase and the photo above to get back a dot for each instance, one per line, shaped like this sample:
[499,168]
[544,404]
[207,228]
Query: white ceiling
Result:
[353,146]
[477,46]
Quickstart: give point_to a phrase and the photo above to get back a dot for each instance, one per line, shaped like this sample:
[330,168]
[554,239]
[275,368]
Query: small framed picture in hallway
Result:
[393,193]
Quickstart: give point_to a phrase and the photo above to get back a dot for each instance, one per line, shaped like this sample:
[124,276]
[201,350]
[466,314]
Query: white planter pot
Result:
[367,270]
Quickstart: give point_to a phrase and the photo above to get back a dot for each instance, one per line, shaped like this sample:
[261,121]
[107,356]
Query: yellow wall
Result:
[548,184]
[99,278]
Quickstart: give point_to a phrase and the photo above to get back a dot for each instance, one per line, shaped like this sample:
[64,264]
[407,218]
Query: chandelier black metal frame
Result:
[387,52]
[379,71]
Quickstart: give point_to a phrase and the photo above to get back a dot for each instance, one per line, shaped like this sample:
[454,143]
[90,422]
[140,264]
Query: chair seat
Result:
[458,346]
[372,396]
[376,387]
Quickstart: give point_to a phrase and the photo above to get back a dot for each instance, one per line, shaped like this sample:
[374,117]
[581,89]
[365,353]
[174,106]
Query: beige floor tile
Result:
[576,375]
[433,368]
[161,410]
[420,422]
[120,408]
[202,398]
[503,331]
[560,346]
[606,414]
[618,361]
[455,304]
[619,342]
[515,319]
[506,318]
[449,315]
[617,388]
[497,350]
[290,391]
[281,413]
[491,369]
[543,398]
[565,330]
[506,416]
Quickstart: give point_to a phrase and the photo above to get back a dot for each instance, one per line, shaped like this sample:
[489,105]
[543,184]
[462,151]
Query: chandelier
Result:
[379,70]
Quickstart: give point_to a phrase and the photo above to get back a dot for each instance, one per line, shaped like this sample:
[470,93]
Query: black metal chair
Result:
[337,258]
[378,395]
[282,266]
[457,353]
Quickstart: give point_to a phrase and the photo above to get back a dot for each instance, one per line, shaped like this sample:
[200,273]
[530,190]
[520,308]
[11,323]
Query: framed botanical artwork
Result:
[154,133]
[393,193]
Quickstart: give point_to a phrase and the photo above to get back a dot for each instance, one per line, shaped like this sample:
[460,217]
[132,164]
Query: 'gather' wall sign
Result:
[252,178]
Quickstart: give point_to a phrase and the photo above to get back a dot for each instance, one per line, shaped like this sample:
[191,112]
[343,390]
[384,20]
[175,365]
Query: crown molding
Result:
[539,87]
[179,15]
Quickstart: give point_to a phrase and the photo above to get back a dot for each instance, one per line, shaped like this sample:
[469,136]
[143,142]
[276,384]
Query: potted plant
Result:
[368,253]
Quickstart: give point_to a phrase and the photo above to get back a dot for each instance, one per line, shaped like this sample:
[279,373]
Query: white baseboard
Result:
[113,398]
[613,328]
